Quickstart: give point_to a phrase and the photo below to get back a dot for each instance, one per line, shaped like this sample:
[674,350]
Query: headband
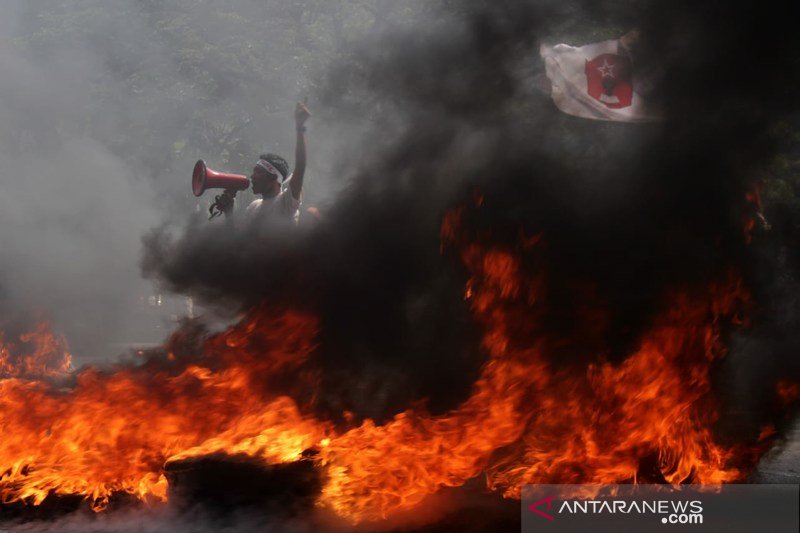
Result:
[266,165]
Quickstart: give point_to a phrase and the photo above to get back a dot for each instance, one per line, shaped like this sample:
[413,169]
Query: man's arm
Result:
[301,114]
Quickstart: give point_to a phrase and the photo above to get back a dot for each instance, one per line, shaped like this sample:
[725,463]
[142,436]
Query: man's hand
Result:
[223,204]
[301,114]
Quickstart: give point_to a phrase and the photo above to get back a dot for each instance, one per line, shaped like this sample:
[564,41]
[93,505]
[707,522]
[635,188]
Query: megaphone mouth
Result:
[199,178]
[203,178]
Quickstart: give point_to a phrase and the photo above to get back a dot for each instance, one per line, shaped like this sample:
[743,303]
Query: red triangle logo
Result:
[548,501]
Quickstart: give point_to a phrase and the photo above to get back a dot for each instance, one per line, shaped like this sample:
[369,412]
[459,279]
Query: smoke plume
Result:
[628,210]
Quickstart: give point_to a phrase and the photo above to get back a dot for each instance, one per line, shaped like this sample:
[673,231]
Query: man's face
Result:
[264,183]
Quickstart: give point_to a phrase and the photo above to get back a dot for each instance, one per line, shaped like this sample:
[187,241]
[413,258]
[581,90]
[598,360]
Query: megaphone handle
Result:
[223,203]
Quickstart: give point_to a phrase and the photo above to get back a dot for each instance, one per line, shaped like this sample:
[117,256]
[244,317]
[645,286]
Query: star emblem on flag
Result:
[609,80]
[606,70]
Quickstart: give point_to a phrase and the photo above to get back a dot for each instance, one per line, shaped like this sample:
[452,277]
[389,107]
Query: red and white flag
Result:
[597,81]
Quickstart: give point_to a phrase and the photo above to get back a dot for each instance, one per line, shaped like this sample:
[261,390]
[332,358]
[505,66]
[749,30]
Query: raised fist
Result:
[301,114]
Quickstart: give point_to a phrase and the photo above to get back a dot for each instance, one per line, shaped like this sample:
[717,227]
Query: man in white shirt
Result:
[270,180]
[271,174]
[280,191]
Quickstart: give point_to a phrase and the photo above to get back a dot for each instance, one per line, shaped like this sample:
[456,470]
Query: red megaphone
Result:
[203,178]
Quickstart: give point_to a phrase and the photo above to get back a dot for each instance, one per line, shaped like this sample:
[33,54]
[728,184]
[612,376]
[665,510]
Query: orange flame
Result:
[114,432]
[527,419]
[49,356]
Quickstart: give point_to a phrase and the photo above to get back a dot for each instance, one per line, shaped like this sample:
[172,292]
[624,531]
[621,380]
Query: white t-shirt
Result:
[283,204]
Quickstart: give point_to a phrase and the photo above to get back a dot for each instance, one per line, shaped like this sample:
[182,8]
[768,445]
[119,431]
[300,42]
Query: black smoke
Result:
[630,210]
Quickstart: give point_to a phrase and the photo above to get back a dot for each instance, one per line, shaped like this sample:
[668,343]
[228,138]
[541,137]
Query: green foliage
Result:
[185,79]
[217,79]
